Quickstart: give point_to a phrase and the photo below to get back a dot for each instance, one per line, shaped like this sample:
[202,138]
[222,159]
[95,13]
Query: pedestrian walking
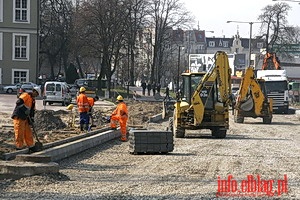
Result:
[144,86]
[153,88]
[25,109]
[149,88]
[158,86]
[167,93]
[83,108]
[120,114]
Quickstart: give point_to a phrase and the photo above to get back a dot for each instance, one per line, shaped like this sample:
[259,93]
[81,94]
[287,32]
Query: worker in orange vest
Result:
[120,114]
[83,109]
[25,107]
[92,101]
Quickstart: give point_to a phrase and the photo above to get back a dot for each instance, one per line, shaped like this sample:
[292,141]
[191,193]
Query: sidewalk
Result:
[141,97]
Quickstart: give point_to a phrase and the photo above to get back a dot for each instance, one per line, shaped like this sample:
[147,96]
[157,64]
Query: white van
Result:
[57,92]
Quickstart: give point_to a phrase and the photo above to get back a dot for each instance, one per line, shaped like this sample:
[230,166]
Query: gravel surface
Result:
[191,171]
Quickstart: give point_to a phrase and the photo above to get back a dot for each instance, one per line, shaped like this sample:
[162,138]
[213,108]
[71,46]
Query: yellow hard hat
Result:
[70,107]
[120,98]
[82,89]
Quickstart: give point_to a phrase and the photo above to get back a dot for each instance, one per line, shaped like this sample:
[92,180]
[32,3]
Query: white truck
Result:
[277,88]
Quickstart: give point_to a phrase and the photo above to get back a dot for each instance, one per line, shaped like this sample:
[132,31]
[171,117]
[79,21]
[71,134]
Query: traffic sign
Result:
[288,48]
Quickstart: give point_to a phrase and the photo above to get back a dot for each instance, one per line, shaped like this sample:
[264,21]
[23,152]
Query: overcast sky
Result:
[213,15]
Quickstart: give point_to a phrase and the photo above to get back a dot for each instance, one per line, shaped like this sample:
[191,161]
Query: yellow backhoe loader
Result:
[204,100]
[252,100]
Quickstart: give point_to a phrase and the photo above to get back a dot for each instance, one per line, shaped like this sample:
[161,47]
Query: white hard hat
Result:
[37,89]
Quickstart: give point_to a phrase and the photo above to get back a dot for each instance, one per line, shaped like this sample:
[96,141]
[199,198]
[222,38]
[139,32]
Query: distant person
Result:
[149,88]
[120,114]
[83,108]
[167,93]
[154,88]
[23,116]
[158,86]
[144,86]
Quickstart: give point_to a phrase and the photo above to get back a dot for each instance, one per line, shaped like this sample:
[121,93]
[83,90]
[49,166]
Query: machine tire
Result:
[9,91]
[178,132]
[217,133]
[267,120]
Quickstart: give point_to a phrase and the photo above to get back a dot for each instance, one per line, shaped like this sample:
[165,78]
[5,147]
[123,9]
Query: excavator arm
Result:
[221,73]
[271,59]
[250,93]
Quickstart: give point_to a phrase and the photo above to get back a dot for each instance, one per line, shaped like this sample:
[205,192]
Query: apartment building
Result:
[18,41]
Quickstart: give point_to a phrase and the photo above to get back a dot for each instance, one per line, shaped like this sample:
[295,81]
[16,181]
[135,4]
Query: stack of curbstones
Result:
[150,141]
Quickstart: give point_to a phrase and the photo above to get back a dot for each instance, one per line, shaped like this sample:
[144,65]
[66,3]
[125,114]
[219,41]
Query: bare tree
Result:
[103,27]
[136,20]
[274,23]
[56,23]
[164,15]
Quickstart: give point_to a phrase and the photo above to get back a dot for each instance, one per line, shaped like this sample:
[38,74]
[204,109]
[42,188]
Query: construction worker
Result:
[25,107]
[83,109]
[91,101]
[120,114]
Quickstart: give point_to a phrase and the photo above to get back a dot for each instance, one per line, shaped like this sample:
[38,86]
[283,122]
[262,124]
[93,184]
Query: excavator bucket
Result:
[247,105]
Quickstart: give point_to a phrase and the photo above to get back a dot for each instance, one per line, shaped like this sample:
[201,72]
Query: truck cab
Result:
[277,86]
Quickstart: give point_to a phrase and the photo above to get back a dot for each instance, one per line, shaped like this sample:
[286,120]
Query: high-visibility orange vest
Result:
[83,103]
[121,110]
[91,101]
[28,100]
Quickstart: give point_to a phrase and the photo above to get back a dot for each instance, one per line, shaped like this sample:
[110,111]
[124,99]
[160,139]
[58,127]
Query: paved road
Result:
[8,101]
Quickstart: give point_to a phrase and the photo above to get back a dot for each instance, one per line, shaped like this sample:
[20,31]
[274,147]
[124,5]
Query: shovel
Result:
[38,146]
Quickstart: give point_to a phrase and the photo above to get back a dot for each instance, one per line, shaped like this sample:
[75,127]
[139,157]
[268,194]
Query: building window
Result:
[21,46]
[1,10]
[211,44]
[260,45]
[1,45]
[21,10]
[20,75]
[225,43]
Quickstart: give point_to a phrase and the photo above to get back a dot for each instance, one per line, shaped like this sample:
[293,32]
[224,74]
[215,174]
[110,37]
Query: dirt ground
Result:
[56,125]
[269,152]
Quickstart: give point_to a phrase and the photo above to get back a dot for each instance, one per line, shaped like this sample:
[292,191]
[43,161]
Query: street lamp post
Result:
[250,38]
[178,68]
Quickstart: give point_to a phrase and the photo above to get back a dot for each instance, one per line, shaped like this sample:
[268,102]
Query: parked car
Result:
[15,88]
[56,92]
[73,89]
[12,88]
[26,87]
